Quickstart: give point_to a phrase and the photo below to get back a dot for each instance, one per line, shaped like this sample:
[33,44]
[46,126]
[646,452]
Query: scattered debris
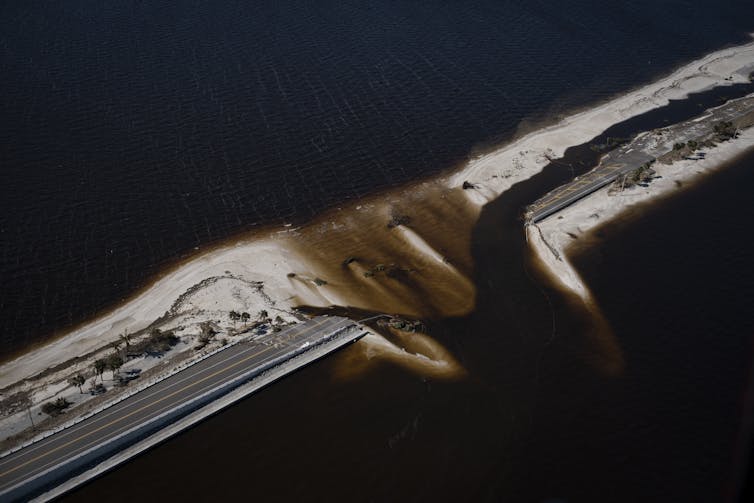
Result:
[349,261]
[402,324]
[724,130]
[640,176]
[610,144]
[397,220]
[391,271]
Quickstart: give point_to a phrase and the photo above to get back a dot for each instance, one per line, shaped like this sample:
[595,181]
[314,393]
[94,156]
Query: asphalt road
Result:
[68,446]
[640,150]
[578,188]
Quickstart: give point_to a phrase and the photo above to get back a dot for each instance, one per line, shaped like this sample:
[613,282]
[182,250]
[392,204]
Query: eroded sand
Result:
[426,264]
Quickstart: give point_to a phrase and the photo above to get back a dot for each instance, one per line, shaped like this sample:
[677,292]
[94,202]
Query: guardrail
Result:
[51,478]
[126,394]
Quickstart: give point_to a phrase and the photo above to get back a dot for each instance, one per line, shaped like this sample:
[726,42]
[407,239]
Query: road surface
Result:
[50,461]
[644,148]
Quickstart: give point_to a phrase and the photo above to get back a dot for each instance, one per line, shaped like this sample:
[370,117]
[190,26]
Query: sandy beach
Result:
[352,255]
[550,240]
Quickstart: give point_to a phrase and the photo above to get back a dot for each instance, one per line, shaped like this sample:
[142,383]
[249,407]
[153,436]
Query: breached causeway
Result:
[645,149]
[349,257]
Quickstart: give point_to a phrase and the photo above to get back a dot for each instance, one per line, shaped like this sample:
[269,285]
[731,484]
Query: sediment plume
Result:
[406,252]
[416,352]
[418,268]
[553,268]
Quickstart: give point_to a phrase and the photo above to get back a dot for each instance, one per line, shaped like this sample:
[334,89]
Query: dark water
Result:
[535,420]
[134,131]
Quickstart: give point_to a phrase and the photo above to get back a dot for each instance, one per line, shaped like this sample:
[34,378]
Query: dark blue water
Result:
[534,421]
[132,132]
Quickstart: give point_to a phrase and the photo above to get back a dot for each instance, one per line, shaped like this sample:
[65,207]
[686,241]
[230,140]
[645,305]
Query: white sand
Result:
[598,208]
[269,260]
[263,260]
[497,171]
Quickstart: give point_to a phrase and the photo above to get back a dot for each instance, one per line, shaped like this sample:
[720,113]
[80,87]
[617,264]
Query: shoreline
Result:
[352,255]
[521,151]
[555,238]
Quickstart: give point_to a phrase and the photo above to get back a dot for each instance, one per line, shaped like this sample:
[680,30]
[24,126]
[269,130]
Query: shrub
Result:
[55,408]
[397,220]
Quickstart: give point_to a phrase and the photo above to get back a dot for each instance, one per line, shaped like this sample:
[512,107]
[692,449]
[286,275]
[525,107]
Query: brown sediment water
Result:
[547,406]
[606,354]
[485,264]
[420,268]
[531,422]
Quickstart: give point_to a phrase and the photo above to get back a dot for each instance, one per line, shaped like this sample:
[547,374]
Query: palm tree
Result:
[99,367]
[234,316]
[25,401]
[126,339]
[262,315]
[78,381]
[114,362]
[115,345]
[245,317]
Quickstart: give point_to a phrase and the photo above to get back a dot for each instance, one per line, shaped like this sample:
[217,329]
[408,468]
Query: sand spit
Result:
[573,225]
[406,252]
[551,239]
[493,173]
[417,352]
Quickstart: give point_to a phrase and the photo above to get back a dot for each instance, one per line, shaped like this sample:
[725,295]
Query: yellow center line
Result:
[106,425]
[139,397]
[120,430]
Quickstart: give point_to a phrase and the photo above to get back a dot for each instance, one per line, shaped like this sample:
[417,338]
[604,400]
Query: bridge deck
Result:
[49,461]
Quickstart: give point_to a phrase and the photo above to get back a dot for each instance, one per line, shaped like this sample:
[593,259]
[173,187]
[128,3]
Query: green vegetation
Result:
[679,146]
[100,365]
[55,408]
[77,381]
[206,335]
[724,130]
[126,340]
[643,173]
[319,282]
[114,363]
[640,175]
[158,341]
